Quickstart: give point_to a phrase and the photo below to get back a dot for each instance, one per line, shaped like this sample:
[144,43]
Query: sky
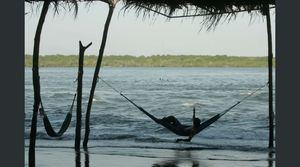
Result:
[132,35]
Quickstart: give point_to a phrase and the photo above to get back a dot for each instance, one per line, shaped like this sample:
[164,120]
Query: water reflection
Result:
[77,159]
[181,158]
[186,159]
[86,158]
[271,159]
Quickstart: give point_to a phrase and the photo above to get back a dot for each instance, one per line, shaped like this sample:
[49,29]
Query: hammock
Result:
[178,130]
[48,127]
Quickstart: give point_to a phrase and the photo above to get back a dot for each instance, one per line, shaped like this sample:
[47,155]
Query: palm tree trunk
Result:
[95,78]
[79,95]
[36,82]
[270,66]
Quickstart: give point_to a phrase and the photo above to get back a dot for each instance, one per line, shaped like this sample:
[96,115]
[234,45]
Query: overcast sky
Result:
[132,35]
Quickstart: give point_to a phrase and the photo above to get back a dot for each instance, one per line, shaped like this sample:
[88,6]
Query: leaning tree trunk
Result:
[36,82]
[95,78]
[79,95]
[270,66]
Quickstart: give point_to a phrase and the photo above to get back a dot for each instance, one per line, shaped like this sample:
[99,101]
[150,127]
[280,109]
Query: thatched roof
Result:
[170,6]
[70,4]
[208,6]
[212,10]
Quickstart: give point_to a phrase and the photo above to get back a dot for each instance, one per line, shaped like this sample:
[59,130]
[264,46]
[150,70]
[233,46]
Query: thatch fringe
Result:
[213,11]
[205,6]
[70,5]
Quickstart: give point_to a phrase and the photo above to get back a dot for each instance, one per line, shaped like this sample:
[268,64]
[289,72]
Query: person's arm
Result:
[193,115]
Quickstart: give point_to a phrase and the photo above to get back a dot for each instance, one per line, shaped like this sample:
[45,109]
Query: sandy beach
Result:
[145,157]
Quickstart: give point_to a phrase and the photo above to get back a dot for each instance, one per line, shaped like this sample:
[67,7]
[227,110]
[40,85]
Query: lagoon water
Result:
[117,126]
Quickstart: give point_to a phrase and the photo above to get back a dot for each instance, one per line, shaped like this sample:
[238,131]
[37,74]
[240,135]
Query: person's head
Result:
[197,122]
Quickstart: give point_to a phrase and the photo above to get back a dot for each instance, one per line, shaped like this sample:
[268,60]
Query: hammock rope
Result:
[203,125]
[243,99]
[210,121]
[137,106]
[65,125]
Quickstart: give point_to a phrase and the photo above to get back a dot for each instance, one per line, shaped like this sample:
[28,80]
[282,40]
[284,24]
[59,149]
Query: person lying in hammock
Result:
[175,126]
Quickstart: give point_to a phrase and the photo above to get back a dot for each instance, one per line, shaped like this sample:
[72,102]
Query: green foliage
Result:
[151,61]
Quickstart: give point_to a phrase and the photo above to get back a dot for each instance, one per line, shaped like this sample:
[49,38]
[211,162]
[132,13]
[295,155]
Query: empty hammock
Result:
[48,127]
[178,130]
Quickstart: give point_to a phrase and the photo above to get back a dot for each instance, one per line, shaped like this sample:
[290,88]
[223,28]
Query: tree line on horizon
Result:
[152,61]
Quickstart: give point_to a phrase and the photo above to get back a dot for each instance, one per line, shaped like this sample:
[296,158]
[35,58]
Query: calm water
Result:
[162,92]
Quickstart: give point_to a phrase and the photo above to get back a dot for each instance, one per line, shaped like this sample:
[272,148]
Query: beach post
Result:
[36,83]
[79,94]
[112,4]
[270,80]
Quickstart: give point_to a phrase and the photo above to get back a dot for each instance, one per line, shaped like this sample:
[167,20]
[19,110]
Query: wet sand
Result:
[144,157]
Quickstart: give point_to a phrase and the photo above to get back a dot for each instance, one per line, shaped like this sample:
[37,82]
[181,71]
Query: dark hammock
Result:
[48,127]
[181,129]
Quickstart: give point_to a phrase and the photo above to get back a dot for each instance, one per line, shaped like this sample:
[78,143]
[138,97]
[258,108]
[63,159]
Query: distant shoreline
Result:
[151,61]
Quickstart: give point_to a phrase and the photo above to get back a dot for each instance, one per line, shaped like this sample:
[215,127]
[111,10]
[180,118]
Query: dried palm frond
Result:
[212,10]
[60,4]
